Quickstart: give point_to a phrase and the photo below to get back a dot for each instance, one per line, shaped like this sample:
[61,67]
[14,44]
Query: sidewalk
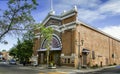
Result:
[68,70]
[64,69]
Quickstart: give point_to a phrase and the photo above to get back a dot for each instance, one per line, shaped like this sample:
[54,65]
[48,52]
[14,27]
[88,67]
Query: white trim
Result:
[67,16]
[67,56]
[46,20]
[64,25]
[57,17]
[54,27]
[36,36]
[52,49]
[67,26]
[57,38]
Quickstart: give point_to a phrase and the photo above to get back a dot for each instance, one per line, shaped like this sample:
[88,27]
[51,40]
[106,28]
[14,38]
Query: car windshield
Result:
[12,60]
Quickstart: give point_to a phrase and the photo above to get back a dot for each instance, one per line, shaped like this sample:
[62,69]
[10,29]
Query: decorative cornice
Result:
[56,17]
[64,15]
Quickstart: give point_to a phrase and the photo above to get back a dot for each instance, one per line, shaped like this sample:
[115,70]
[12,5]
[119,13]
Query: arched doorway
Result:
[54,53]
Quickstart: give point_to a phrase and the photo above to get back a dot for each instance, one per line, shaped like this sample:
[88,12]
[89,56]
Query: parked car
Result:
[12,61]
[4,62]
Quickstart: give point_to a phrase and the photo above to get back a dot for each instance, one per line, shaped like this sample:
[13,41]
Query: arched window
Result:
[55,43]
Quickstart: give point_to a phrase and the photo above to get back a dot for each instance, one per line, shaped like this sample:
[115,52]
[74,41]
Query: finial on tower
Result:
[52,12]
[51,5]
[75,8]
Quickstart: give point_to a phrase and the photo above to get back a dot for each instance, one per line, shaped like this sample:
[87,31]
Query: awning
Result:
[85,51]
[52,49]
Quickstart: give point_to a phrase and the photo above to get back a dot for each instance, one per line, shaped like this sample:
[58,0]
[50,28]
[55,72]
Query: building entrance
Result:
[85,52]
[54,57]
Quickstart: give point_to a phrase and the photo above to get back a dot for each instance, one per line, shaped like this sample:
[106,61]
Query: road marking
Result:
[42,72]
[57,73]
[54,73]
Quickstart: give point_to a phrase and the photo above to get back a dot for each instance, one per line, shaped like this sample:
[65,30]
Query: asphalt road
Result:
[15,69]
[18,69]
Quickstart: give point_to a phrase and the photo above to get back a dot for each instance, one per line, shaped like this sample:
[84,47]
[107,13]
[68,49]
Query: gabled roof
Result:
[68,25]
[60,17]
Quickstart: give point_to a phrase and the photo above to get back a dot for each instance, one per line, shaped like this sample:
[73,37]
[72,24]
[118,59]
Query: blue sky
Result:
[102,14]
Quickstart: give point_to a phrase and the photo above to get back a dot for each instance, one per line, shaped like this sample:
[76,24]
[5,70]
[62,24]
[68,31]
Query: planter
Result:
[51,66]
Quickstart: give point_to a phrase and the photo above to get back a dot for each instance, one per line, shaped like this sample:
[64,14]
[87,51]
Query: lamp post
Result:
[79,56]
[80,43]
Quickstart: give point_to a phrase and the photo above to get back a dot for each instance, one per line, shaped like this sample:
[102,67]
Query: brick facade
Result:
[81,44]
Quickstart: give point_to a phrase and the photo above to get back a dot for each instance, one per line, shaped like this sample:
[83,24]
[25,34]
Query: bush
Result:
[95,66]
[110,65]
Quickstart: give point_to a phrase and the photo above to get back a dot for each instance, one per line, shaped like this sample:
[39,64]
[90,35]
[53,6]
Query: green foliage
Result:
[46,33]
[28,35]
[13,52]
[17,17]
[3,50]
[23,50]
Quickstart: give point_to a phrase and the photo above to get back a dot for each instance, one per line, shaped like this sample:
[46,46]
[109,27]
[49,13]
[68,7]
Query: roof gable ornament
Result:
[75,8]
[52,12]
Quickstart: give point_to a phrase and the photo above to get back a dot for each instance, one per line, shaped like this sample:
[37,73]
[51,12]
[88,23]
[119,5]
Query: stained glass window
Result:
[55,43]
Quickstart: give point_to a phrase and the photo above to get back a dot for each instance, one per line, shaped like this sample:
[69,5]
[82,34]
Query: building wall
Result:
[69,19]
[103,49]
[36,46]
[102,45]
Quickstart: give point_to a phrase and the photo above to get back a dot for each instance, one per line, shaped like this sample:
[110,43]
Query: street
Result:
[6,68]
[19,69]
[15,69]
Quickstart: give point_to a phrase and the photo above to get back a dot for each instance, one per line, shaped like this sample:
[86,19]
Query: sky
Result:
[101,14]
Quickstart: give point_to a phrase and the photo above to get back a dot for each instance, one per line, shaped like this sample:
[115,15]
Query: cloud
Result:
[111,7]
[103,11]
[40,16]
[91,9]
[68,4]
[88,10]
[84,3]
[89,15]
[112,30]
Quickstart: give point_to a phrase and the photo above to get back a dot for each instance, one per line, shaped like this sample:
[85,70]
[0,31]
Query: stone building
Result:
[4,55]
[76,43]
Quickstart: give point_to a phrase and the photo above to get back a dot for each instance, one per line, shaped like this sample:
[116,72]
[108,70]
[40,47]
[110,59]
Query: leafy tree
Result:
[24,50]
[13,52]
[46,33]
[3,50]
[28,35]
[17,17]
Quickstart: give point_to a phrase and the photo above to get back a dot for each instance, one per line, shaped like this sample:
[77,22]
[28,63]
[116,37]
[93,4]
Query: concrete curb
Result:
[69,70]
[93,70]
